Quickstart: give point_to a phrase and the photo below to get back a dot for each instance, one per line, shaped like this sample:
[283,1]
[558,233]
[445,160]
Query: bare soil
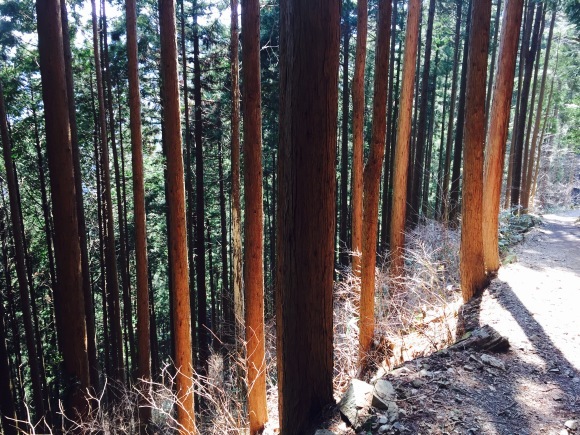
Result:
[535,388]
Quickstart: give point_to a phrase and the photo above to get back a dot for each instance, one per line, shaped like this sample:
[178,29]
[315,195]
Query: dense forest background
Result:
[29,334]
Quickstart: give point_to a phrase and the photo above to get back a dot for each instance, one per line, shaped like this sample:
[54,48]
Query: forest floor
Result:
[534,387]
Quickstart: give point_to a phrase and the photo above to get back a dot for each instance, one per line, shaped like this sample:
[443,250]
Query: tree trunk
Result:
[372,181]
[7,408]
[387,186]
[530,55]
[69,296]
[454,208]
[498,130]
[439,184]
[309,52]
[447,168]
[491,77]
[17,233]
[531,158]
[343,244]
[226,299]
[358,113]
[422,122]
[141,261]
[116,345]
[254,221]
[471,267]
[235,163]
[430,132]
[203,332]
[401,161]
[87,290]
[177,222]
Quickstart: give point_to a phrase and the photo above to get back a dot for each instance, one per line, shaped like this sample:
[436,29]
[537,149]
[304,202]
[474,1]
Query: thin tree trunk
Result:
[531,158]
[491,77]
[238,293]
[116,346]
[418,172]
[530,55]
[471,267]
[358,112]
[87,290]
[343,257]
[387,185]
[69,295]
[372,181]
[498,131]
[226,300]
[431,129]
[17,233]
[310,41]
[177,221]
[7,408]
[254,222]
[447,167]
[454,209]
[141,261]
[401,161]
[203,331]
[439,184]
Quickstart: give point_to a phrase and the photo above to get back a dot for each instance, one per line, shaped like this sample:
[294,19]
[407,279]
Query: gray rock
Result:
[323,432]
[384,397]
[572,424]
[493,362]
[356,402]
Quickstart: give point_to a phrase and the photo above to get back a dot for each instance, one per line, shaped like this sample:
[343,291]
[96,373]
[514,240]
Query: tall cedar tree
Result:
[534,141]
[69,298]
[87,290]
[471,267]
[116,344]
[372,180]
[401,160]
[309,52]
[177,225]
[238,297]
[529,57]
[358,113]
[203,331]
[498,130]
[444,188]
[418,172]
[23,284]
[7,408]
[254,217]
[143,325]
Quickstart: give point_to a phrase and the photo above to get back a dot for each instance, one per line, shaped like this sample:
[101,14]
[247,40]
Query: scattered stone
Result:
[554,370]
[485,338]
[468,368]
[323,432]
[384,396]
[384,429]
[491,361]
[572,424]
[417,383]
[356,403]
[576,379]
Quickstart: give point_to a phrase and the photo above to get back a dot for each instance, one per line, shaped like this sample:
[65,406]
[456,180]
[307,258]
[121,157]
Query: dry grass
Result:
[410,323]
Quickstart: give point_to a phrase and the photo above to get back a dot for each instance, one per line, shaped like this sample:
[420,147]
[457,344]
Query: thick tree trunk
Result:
[372,181]
[17,233]
[254,221]
[401,161]
[498,130]
[358,113]
[141,262]
[471,267]
[309,49]
[177,220]
[69,296]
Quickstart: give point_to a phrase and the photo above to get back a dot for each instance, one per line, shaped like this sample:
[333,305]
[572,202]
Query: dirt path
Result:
[534,388]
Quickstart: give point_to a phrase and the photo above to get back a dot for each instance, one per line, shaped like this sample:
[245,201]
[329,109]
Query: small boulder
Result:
[356,403]
[384,397]
[572,425]
[493,362]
